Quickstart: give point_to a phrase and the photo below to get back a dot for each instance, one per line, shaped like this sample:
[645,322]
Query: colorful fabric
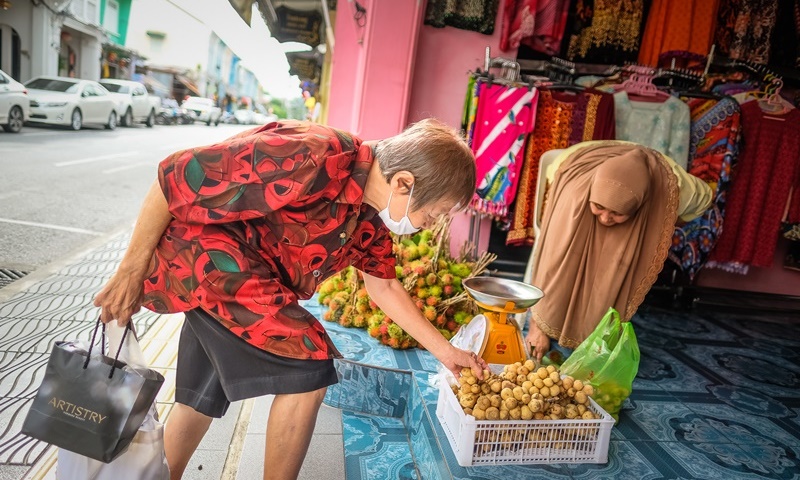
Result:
[744,29]
[768,169]
[714,147]
[686,25]
[539,24]
[562,120]
[475,15]
[260,220]
[662,126]
[505,116]
[470,109]
[604,31]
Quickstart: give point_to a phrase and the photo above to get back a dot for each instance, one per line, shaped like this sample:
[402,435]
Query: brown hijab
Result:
[584,267]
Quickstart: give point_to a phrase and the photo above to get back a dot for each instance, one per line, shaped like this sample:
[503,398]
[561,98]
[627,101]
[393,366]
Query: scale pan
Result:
[496,292]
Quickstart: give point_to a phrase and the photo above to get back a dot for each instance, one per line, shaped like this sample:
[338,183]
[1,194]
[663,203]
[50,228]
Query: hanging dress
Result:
[562,120]
[684,25]
[661,126]
[505,116]
[767,171]
[714,147]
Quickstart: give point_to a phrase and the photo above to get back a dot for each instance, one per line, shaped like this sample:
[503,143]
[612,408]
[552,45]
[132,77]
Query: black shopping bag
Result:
[92,405]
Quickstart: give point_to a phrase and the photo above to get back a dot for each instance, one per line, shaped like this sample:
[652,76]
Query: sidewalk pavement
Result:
[56,305]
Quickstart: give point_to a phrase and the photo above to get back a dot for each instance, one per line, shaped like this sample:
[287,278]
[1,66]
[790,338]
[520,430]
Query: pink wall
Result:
[445,56]
[775,280]
[372,67]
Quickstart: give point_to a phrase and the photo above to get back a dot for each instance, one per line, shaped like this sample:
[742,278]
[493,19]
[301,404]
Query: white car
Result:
[134,104]
[204,108]
[15,106]
[71,101]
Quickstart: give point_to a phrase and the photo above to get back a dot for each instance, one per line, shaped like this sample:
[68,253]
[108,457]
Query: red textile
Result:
[768,167]
[260,220]
[540,24]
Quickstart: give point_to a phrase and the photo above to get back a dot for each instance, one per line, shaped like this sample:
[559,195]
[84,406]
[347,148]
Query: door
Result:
[5,98]
[140,103]
[92,105]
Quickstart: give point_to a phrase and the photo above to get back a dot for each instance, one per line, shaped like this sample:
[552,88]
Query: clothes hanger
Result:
[773,103]
[640,83]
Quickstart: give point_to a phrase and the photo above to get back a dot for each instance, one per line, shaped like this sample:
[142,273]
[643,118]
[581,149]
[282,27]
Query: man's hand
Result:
[120,298]
[455,359]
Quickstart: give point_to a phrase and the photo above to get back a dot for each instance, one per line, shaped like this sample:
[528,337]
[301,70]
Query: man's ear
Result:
[401,182]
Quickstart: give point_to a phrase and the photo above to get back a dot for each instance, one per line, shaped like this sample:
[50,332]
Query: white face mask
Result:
[404,226]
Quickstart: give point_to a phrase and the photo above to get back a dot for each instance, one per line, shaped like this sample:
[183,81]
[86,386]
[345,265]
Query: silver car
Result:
[15,107]
[71,101]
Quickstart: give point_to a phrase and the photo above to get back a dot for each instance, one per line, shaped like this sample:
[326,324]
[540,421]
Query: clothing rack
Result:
[566,71]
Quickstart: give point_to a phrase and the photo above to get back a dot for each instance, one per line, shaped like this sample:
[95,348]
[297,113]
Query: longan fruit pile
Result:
[522,392]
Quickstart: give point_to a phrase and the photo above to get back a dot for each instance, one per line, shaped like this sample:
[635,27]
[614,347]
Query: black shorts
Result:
[215,368]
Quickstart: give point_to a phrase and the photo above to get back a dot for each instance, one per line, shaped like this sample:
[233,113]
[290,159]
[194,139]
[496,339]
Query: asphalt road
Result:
[62,190]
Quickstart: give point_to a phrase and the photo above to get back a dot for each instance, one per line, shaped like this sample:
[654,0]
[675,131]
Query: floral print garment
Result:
[260,220]
[716,128]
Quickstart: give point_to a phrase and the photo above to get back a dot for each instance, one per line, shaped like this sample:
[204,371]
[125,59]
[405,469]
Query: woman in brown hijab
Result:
[606,230]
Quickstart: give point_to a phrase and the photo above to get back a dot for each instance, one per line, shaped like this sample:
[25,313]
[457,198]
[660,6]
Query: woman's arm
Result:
[122,295]
[393,299]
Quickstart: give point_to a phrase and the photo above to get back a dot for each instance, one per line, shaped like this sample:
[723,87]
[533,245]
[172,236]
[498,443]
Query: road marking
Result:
[128,167]
[176,146]
[50,226]
[95,159]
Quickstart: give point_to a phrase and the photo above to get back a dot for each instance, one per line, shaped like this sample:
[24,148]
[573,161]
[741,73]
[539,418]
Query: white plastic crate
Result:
[521,442]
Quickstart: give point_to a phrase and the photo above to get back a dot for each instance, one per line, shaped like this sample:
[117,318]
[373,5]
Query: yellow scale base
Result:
[503,343]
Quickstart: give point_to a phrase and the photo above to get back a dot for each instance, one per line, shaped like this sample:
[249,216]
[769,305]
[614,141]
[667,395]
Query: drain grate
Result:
[8,275]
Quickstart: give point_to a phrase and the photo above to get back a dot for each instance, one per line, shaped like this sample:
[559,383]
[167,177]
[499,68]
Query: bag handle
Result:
[102,345]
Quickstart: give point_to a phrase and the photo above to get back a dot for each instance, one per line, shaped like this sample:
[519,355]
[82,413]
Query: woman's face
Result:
[607,217]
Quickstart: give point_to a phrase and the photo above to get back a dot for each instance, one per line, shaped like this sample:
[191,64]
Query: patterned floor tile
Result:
[780,463]
[376,448]
[625,462]
[662,421]
[712,461]
[665,329]
[746,429]
[662,369]
[784,332]
[744,367]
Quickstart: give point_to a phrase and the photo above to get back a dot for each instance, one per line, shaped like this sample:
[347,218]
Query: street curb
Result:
[42,273]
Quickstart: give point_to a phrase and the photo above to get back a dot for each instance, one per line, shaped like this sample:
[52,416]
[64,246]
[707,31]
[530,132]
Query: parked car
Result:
[71,101]
[134,104]
[204,108]
[15,106]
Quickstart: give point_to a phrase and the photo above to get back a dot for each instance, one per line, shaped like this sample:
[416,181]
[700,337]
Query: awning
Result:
[154,85]
[188,83]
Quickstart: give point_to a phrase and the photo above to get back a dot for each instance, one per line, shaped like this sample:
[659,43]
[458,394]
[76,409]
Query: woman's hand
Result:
[455,359]
[120,298]
[538,340]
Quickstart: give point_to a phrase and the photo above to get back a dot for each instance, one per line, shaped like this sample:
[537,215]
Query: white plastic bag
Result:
[144,458]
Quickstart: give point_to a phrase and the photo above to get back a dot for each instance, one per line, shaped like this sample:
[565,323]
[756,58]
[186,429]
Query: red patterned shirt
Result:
[259,221]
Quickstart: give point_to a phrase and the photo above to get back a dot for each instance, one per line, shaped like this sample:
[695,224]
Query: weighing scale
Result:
[492,335]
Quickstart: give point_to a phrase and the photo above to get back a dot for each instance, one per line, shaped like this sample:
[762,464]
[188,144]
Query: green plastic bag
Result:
[608,360]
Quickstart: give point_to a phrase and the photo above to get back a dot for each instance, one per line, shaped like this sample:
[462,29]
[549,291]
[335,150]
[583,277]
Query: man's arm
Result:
[122,295]
[393,299]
